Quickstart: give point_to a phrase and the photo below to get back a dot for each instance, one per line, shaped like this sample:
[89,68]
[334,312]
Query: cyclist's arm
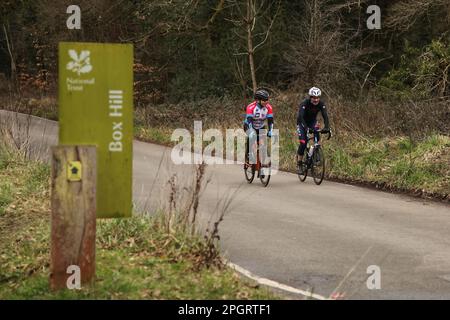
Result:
[325,116]
[270,117]
[249,118]
[270,122]
[249,115]
[301,116]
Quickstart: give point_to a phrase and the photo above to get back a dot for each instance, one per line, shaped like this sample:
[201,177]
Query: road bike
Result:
[315,159]
[262,170]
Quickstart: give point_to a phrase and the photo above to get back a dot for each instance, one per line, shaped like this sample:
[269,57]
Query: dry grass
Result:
[181,214]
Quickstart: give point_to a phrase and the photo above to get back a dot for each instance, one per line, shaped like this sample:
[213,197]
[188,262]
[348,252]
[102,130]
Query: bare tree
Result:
[404,14]
[10,48]
[253,20]
[325,49]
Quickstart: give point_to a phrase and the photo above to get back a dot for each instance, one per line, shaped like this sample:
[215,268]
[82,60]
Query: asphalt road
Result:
[320,238]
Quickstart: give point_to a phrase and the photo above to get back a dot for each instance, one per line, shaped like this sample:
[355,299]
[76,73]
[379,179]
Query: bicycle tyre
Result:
[249,172]
[302,177]
[318,166]
[266,177]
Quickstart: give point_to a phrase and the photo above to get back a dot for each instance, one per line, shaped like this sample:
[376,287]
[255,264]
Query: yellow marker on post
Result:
[74,171]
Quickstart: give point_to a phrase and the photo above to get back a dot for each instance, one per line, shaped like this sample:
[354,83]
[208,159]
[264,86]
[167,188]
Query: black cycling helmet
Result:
[261,94]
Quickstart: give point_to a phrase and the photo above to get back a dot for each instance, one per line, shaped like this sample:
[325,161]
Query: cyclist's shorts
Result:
[302,138]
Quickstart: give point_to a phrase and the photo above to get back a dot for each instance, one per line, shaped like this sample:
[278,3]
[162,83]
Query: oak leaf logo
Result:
[80,63]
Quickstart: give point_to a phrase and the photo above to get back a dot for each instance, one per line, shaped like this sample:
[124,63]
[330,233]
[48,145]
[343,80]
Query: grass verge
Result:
[136,257]
[401,163]
[416,167]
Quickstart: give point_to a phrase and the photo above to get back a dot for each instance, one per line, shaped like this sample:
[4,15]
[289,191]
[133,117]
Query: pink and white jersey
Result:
[259,114]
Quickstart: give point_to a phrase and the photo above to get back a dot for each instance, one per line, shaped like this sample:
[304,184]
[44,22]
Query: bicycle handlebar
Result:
[320,131]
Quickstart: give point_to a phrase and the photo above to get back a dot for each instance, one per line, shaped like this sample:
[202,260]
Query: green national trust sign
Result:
[96,108]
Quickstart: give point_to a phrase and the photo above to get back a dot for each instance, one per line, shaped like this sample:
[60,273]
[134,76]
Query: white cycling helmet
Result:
[315,92]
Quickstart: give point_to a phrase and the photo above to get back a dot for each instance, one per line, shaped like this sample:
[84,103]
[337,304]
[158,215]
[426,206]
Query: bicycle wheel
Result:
[302,174]
[318,165]
[264,175]
[249,172]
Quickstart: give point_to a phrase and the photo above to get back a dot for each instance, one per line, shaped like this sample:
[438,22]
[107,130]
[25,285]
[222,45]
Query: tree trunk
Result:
[10,51]
[250,50]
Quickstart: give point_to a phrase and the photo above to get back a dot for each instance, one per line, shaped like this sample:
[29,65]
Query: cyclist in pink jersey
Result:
[257,113]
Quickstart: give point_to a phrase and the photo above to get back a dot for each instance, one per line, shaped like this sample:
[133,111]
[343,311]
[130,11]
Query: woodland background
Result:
[388,90]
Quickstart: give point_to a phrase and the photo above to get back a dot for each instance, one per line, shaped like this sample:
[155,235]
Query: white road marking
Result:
[351,270]
[274,284]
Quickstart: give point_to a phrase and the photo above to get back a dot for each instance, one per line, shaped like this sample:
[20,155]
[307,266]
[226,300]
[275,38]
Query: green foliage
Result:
[4,159]
[421,73]
[5,196]
[37,179]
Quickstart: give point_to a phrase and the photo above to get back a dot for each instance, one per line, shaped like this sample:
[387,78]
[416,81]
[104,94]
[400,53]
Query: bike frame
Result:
[257,166]
[310,156]
[316,144]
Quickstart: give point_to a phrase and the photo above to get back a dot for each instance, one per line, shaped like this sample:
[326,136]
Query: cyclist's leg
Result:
[251,146]
[302,139]
[258,138]
[261,138]
[263,154]
[316,127]
[247,142]
[254,151]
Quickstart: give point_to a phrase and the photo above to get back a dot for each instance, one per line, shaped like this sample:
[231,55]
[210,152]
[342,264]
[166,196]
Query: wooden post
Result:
[73,214]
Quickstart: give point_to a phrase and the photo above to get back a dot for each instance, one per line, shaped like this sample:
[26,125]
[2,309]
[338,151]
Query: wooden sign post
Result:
[92,169]
[74,178]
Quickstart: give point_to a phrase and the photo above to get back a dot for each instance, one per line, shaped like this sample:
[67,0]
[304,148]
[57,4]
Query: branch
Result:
[268,30]
[210,21]
[9,45]
[239,35]
[370,71]
[240,54]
